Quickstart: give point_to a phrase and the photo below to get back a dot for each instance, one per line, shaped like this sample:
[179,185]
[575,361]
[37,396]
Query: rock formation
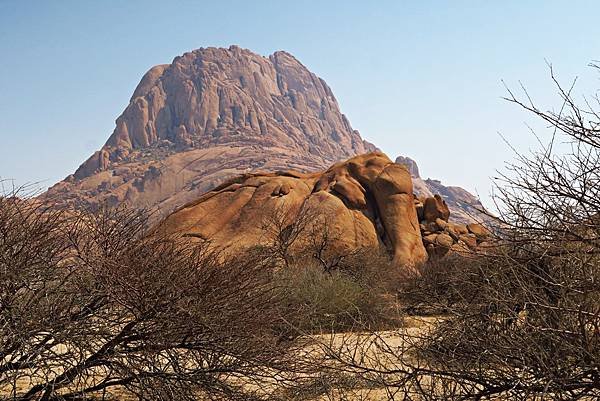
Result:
[366,201]
[465,207]
[410,164]
[212,114]
[441,235]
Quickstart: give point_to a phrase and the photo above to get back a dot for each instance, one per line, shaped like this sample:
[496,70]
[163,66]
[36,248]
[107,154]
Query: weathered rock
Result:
[431,227]
[229,215]
[444,240]
[479,230]
[442,224]
[410,164]
[419,209]
[451,230]
[430,239]
[435,208]
[469,239]
[460,228]
[441,236]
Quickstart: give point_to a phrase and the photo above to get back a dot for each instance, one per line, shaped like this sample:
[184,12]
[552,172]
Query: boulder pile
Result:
[364,202]
[440,235]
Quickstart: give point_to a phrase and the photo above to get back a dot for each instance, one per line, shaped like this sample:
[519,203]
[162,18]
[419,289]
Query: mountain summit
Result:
[211,114]
[216,113]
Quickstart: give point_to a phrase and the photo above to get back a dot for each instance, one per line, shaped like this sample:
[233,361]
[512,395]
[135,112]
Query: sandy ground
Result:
[324,387]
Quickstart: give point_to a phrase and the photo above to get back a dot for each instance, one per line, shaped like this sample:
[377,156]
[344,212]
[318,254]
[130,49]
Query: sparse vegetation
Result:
[95,304]
[322,301]
[521,320]
[90,304]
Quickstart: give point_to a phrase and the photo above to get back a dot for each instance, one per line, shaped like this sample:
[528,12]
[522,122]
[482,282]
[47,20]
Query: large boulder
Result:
[479,230]
[366,202]
[435,208]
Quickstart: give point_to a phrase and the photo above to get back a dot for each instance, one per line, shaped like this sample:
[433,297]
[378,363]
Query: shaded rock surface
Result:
[365,201]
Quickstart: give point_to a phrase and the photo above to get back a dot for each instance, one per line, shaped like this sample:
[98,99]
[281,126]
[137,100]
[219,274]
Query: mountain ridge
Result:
[194,101]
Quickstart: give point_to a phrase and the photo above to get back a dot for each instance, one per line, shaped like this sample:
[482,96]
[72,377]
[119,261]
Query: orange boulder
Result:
[365,201]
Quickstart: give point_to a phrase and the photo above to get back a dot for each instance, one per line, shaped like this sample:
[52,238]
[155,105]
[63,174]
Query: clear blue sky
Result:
[418,78]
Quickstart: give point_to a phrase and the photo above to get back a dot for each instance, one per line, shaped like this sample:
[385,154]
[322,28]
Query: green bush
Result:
[320,301]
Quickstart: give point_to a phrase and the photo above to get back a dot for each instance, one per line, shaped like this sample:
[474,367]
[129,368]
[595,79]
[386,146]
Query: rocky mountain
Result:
[212,114]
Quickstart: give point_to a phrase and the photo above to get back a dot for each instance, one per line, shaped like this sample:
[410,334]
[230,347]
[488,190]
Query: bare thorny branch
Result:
[90,302]
[522,320]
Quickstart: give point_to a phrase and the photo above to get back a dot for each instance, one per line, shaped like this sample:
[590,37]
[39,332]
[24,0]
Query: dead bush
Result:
[521,321]
[90,304]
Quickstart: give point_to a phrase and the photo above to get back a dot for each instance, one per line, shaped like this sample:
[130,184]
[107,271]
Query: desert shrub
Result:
[90,303]
[320,301]
[355,295]
[443,283]
[522,320]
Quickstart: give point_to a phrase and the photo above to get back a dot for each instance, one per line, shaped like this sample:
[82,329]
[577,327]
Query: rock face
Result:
[366,201]
[435,208]
[410,164]
[212,114]
[464,207]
